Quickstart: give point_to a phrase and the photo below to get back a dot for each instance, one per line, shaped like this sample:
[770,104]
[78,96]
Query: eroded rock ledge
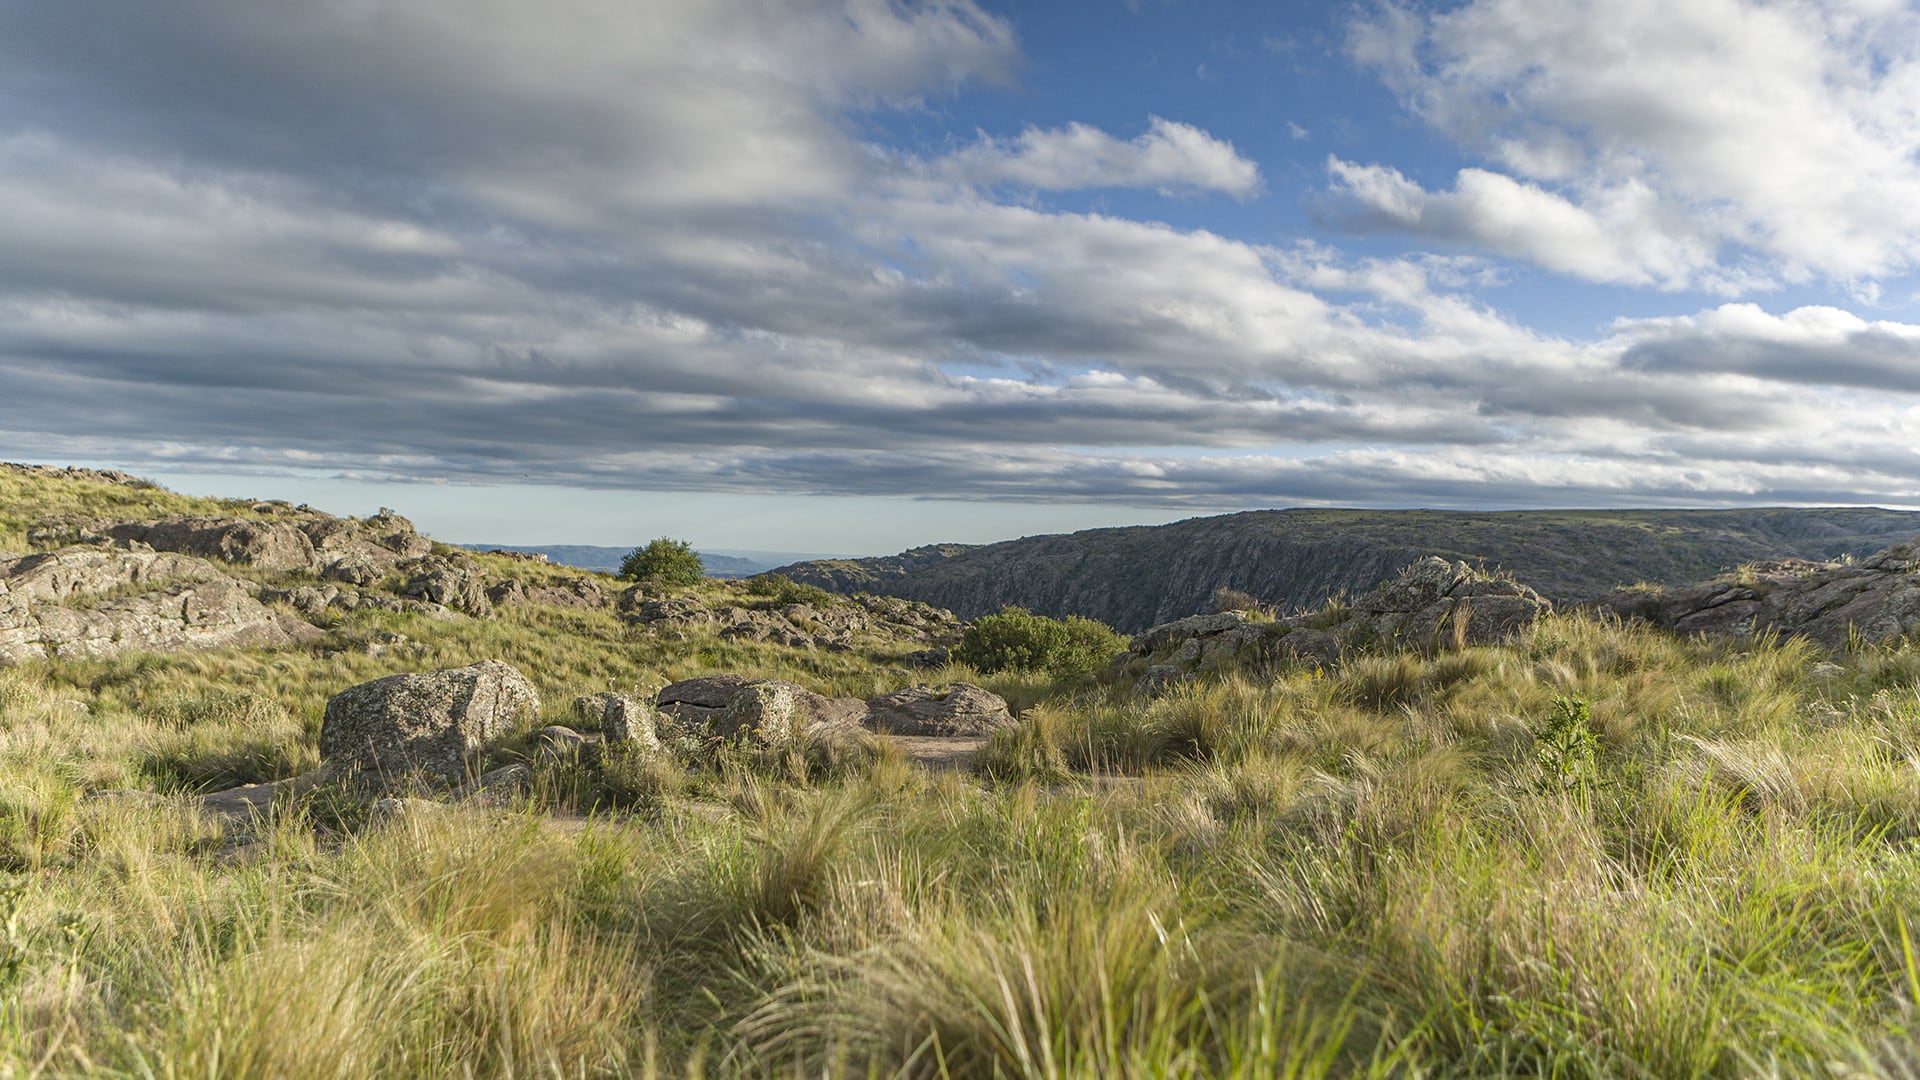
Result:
[1874,600]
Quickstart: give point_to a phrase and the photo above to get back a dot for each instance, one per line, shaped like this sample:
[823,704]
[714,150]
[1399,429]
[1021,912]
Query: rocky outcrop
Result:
[280,537]
[82,603]
[956,709]
[768,711]
[1874,600]
[1432,603]
[838,626]
[1133,578]
[267,544]
[428,723]
[316,601]
[455,583]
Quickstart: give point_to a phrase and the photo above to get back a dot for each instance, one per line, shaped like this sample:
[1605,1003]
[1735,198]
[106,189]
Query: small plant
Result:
[1565,745]
[663,562]
[1016,639]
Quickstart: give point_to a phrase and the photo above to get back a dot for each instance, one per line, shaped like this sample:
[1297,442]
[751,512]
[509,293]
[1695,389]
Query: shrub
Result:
[782,590]
[664,562]
[1018,640]
[1230,599]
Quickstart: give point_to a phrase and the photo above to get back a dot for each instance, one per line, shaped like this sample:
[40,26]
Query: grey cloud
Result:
[403,238]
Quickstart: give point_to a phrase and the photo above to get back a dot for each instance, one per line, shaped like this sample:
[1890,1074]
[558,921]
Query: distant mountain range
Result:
[725,563]
[1136,577]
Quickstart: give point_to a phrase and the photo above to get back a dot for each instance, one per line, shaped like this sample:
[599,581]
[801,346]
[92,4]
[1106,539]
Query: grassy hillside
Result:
[1137,577]
[31,497]
[1592,851]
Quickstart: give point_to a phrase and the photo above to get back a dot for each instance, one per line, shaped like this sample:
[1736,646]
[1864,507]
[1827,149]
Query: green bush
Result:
[783,590]
[1018,640]
[663,562]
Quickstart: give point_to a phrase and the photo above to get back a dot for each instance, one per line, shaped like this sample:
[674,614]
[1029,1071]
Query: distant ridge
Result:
[729,564]
[1136,577]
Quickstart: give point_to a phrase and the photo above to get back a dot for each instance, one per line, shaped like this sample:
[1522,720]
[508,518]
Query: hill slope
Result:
[1135,577]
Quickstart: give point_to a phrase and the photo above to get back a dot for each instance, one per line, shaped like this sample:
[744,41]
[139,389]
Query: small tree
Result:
[663,562]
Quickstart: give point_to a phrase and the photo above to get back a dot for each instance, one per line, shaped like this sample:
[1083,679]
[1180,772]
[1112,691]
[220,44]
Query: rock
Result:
[357,568]
[620,718]
[453,585]
[931,658]
[1431,603]
[1157,680]
[428,722]
[1171,635]
[775,712]
[265,544]
[581,593]
[952,709]
[79,603]
[499,787]
[1833,604]
[694,699]
[769,711]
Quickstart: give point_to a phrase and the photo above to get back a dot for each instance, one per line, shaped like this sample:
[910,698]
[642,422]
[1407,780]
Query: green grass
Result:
[27,501]
[1376,869]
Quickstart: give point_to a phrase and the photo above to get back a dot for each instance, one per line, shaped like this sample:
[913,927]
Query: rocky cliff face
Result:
[1137,577]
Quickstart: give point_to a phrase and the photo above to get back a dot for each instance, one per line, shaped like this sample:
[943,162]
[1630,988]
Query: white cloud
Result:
[1784,133]
[1619,236]
[1169,157]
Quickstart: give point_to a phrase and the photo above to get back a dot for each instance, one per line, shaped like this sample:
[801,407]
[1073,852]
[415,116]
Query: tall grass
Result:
[1362,870]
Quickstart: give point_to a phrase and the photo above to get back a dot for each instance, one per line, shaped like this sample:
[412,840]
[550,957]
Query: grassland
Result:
[1593,851]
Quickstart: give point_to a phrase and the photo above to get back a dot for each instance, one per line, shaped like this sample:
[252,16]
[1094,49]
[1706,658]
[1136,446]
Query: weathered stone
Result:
[81,603]
[1157,680]
[1876,600]
[439,581]
[358,568]
[558,740]
[1417,586]
[952,709]
[774,712]
[266,544]
[427,722]
[1171,635]
[620,718]
[693,700]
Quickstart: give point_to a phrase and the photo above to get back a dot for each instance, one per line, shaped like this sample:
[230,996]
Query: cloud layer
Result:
[1758,140]
[566,241]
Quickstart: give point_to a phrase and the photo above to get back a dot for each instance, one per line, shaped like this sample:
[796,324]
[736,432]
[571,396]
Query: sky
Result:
[850,276]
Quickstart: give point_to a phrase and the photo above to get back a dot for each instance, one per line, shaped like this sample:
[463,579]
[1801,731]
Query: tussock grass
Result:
[1364,870]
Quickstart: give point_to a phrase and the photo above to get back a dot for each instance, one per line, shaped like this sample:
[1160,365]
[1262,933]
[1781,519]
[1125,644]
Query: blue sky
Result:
[851,276]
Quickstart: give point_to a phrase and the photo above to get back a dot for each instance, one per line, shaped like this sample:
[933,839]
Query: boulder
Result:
[769,711]
[427,722]
[695,699]
[620,718]
[952,709]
